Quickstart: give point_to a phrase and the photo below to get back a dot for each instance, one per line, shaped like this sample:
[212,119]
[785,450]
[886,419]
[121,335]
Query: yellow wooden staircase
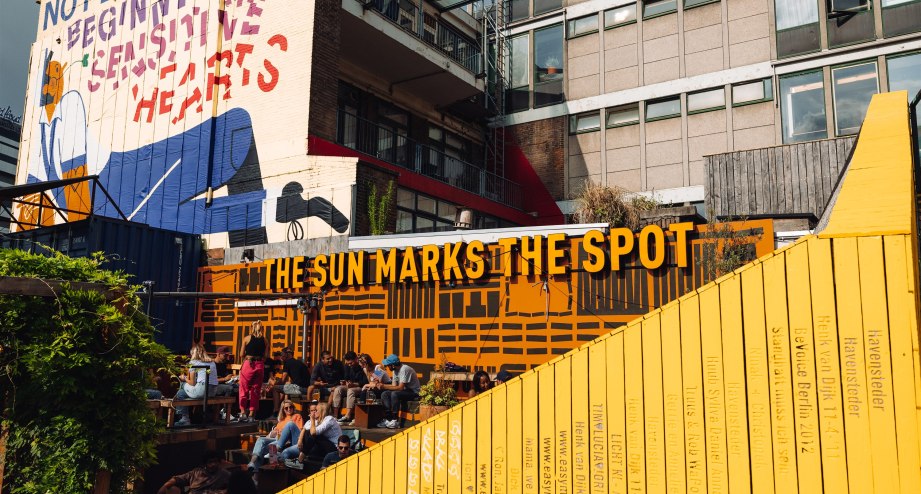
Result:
[799,372]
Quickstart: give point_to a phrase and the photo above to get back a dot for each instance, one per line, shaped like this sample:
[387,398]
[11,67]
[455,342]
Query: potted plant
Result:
[436,396]
[552,64]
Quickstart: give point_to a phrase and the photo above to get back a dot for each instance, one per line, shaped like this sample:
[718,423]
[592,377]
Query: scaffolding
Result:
[495,48]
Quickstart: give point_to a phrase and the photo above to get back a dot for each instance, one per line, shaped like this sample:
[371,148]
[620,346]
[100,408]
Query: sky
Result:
[18,24]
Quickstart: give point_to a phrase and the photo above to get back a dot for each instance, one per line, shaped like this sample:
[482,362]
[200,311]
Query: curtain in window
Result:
[793,13]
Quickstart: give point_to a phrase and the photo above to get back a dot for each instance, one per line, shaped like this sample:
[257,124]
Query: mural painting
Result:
[523,310]
[189,111]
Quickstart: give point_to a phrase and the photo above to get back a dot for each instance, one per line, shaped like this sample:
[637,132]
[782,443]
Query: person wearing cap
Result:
[404,387]
[502,377]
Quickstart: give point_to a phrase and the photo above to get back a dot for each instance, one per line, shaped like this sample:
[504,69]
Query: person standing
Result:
[254,350]
[346,394]
[405,387]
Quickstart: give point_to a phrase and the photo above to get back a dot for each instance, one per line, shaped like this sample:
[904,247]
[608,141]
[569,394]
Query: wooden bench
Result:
[171,404]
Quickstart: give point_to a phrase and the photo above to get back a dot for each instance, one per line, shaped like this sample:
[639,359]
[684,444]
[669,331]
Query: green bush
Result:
[73,369]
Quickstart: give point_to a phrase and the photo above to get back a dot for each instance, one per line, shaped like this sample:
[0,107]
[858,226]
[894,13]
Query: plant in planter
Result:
[436,396]
[552,64]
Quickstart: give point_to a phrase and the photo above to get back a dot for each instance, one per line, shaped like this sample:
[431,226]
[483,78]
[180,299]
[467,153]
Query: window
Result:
[652,8]
[905,74]
[518,97]
[900,17]
[623,115]
[803,107]
[620,15]
[664,108]
[541,6]
[893,3]
[518,9]
[795,13]
[853,87]
[693,3]
[583,25]
[430,215]
[713,99]
[585,122]
[797,24]
[548,65]
[752,92]
[839,7]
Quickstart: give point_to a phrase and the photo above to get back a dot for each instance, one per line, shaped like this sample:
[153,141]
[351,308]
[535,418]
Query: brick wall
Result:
[368,175]
[542,144]
[324,66]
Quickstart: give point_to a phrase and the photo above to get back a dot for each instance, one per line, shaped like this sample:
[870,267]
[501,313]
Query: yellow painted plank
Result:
[514,442]
[617,441]
[319,483]
[387,448]
[876,194]
[364,473]
[633,398]
[783,431]
[427,457]
[441,454]
[413,460]
[899,275]
[376,473]
[547,429]
[580,422]
[853,373]
[400,463]
[653,405]
[351,474]
[484,416]
[757,386]
[305,487]
[530,433]
[563,425]
[598,419]
[673,399]
[805,400]
[693,397]
[499,450]
[828,369]
[455,451]
[468,448]
[879,364]
[341,475]
[711,347]
[737,446]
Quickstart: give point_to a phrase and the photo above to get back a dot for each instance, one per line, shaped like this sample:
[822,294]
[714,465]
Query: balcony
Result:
[397,149]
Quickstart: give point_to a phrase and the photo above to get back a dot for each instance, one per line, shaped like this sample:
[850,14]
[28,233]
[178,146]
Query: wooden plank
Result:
[786,167]
[633,398]
[514,442]
[900,269]
[672,384]
[426,457]
[617,443]
[733,352]
[455,449]
[802,352]
[813,163]
[341,475]
[853,373]
[828,369]
[351,475]
[714,384]
[412,461]
[499,448]
[469,447]
[581,448]
[879,364]
[742,164]
[375,470]
[388,467]
[563,425]
[484,415]
[546,430]
[692,380]
[442,450]
[653,404]
[759,206]
[530,461]
[598,416]
[778,344]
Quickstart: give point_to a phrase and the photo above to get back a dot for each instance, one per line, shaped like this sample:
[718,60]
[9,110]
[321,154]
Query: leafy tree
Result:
[73,369]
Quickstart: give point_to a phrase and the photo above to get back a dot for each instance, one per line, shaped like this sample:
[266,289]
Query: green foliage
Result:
[72,375]
[379,207]
[726,249]
[438,392]
[612,205]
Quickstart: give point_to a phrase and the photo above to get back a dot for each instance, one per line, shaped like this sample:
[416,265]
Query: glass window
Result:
[425,224]
[518,9]
[838,7]
[518,96]
[426,204]
[447,211]
[405,198]
[905,74]
[752,91]
[583,25]
[656,7]
[892,3]
[707,100]
[620,15]
[541,6]
[585,122]
[693,3]
[404,222]
[853,87]
[663,108]
[548,54]
[623,115]
[802,107]
[794,13]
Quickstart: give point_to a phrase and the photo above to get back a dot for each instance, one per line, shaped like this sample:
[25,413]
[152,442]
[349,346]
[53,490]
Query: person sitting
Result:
[201,370]
[226,380]
[480,383]
[375,373]
[343,451]
[294,377]
[405,387]
[204,479]
[318,437]
[325,376]
[501,377]
[241,482]
[345,395]
[284,434]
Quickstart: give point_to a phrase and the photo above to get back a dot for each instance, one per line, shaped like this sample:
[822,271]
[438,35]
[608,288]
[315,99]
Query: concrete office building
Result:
[9,149]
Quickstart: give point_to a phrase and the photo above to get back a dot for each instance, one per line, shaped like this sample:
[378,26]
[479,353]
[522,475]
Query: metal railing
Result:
[404,13]
[393,146]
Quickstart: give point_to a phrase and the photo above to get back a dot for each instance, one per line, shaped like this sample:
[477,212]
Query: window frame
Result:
[766,83]
[573,122]
[604,20]
[832,14]
[658,14]
[535,83]
[586,33]
[834,90]
[662,100]
[709,108]
[619,109]
[690,4]
[888,58]
[783,109]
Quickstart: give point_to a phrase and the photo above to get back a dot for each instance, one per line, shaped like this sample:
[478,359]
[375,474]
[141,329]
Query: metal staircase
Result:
[495,48]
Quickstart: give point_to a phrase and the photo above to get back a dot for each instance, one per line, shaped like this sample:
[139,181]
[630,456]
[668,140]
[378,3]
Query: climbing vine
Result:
[379,207]
[73,369]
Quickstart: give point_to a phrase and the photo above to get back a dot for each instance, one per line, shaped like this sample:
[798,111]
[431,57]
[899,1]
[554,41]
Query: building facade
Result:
[9,151]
